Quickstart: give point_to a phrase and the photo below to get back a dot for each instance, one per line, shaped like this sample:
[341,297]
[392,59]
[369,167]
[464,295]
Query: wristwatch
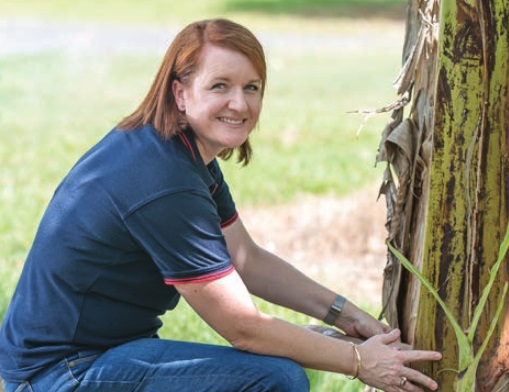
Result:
[335,310]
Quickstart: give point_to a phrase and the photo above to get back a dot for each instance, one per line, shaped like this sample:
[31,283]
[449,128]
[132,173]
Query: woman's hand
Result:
[359,324]
[384,366]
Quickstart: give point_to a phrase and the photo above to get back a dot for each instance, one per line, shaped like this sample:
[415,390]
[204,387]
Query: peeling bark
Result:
[447,181]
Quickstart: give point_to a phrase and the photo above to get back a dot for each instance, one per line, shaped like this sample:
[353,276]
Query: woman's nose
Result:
[237,101]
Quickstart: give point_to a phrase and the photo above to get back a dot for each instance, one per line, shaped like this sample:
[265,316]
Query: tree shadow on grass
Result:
[366,9]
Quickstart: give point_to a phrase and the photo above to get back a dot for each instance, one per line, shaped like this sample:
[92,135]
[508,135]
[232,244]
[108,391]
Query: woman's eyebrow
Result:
[259,81]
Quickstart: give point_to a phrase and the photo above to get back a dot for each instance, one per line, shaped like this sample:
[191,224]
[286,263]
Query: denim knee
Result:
[298,380]
[286,376]
[16,387]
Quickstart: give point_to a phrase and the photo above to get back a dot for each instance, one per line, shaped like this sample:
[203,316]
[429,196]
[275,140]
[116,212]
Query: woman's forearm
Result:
[273,279]
[271,336]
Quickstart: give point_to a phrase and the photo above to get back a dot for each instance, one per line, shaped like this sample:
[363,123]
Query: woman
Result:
[144,218]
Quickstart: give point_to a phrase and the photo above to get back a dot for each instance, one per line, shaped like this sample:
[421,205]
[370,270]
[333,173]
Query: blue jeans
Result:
[153,365]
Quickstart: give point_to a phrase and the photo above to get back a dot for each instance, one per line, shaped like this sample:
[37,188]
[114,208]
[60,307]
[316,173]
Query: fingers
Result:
[392,371]
[421,355]
[389,338]
[413,376]
[411,379]
[409,355]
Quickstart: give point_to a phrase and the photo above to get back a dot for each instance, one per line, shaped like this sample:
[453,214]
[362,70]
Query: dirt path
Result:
[340,242]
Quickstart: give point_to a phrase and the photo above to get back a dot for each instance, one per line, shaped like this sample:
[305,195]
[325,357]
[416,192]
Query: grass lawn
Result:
[56,104]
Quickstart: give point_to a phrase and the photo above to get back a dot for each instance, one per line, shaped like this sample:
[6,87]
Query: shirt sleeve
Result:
[181,232]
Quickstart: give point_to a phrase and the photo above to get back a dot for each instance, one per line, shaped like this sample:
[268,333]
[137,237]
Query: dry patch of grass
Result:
[338,241]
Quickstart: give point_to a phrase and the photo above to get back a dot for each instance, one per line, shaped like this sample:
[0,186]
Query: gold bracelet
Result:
[359,361]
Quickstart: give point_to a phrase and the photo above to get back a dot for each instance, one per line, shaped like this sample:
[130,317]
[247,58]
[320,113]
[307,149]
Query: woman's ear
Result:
[178,93]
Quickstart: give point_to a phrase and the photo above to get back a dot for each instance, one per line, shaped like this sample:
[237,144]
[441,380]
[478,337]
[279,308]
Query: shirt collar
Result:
[188,139]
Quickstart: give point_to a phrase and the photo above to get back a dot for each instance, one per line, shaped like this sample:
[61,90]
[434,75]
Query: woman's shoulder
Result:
[133,166]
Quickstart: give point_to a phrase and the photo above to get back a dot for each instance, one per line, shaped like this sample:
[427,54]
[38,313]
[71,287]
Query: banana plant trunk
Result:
[447,182]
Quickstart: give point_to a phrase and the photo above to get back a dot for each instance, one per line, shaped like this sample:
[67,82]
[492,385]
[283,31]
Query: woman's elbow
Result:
[242,344]
[247,335]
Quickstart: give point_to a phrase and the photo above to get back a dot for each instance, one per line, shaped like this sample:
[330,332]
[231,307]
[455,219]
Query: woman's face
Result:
[222,101]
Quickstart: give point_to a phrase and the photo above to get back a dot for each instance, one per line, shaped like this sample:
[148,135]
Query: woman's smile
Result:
[231,121]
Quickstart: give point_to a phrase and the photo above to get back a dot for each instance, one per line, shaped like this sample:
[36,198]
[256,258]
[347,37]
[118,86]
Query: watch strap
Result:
[335,310]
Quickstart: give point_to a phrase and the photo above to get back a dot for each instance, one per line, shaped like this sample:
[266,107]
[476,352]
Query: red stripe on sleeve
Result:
[230,221]
[203,278]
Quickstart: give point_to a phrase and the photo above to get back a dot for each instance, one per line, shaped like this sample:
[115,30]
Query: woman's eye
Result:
[218,86]
[252,87]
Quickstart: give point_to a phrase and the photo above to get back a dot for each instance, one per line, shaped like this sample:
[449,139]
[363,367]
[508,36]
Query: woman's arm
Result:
[226,305]
[273,279]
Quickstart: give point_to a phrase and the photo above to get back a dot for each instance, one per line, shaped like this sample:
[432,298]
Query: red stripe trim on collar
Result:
[200,279]
[187,143]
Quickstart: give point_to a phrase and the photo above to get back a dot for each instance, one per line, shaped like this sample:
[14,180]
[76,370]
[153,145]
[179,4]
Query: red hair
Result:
[180,61]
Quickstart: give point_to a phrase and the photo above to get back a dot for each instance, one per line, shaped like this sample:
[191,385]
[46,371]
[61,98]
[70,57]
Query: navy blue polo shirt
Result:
[135,216]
